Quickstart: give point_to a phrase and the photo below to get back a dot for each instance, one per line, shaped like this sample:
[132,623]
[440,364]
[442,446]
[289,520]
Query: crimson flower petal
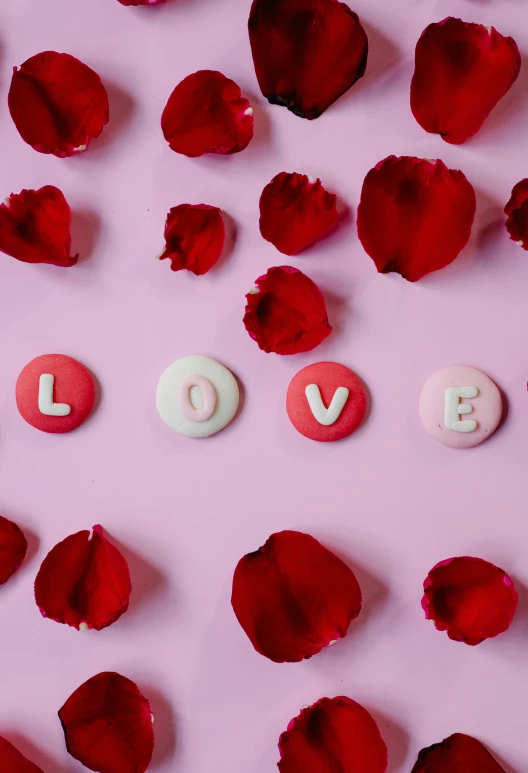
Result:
[107,725]
[335,735]
[293,597]
[425,210]
[206,113]
[286,312]
[194,237]
[35,227]
[12,761]
[13,546]
[296,211]
[469,598]
[141,2]
[84,582]
[459,752]
[307,53]
[516,211]
[461,71]
[58,103]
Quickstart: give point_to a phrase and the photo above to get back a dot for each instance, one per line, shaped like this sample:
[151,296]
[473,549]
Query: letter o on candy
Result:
[197,396]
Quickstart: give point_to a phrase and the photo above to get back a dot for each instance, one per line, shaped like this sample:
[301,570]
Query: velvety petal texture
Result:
[516,211]
[461,71]
[194,237]
[13,547]
[335,735]
[84,582]
[35,227]
[415,215]
[296,211]
[286,312]
[307,53]
[469,598]
[457,753]
[206,113]
[107,725]
[12,761]
[293,597]
[58,103]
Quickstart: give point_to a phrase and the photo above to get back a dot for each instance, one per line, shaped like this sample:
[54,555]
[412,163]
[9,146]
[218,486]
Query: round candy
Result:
[55,393]
[197,396]
[326,401]
[460,406]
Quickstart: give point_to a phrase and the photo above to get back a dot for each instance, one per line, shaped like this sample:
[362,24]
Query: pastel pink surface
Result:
[328,376]
[389,500]
[486,406]
[73,385]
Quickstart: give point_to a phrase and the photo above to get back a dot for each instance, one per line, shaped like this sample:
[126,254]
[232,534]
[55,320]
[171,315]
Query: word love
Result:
[197,397]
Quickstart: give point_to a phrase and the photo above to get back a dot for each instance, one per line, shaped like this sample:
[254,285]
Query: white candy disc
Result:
[197,396]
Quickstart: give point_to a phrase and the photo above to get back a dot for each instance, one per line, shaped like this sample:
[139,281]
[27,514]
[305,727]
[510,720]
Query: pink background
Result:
[389,499]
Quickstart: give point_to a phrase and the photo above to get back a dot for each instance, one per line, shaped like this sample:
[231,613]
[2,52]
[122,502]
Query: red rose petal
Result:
[457,753]
[107,725]
[461,71]
[293,597]
[415,215]
[206,113]
[58,103]
[12,761]
[469,598]
[13,546]
[517,212]
[84,582]
[35,227]
[286,312]
[194,237]
[335,735]
[296,211]
[141,2]
[307,53]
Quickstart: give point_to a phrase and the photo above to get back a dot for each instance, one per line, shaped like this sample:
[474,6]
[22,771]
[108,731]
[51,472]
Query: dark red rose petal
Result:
[293,597]
[286,312]
[457,753]
[469,598]
[307,53]
[58,103]
[415,215]
[517,213]
[194,237]
[107,725]
[206,113]
[141,2]
[461,71]
[35,227]
[296,211]
[335,735]
[13,546]
[12,761]
[84,582]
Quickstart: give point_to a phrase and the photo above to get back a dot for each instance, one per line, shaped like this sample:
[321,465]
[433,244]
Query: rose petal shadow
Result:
[36,754]
[33,541]
[147,580]
[396,738]
[231,231]
[338,310]
[511,104]
[519,625]
[164,726]
[383,54]
[507,768]
[374,591]
[262,129]
[122,108]
[85,229]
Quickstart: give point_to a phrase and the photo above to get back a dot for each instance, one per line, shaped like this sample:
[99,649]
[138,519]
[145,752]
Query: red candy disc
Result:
[326,401]
[55,393]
